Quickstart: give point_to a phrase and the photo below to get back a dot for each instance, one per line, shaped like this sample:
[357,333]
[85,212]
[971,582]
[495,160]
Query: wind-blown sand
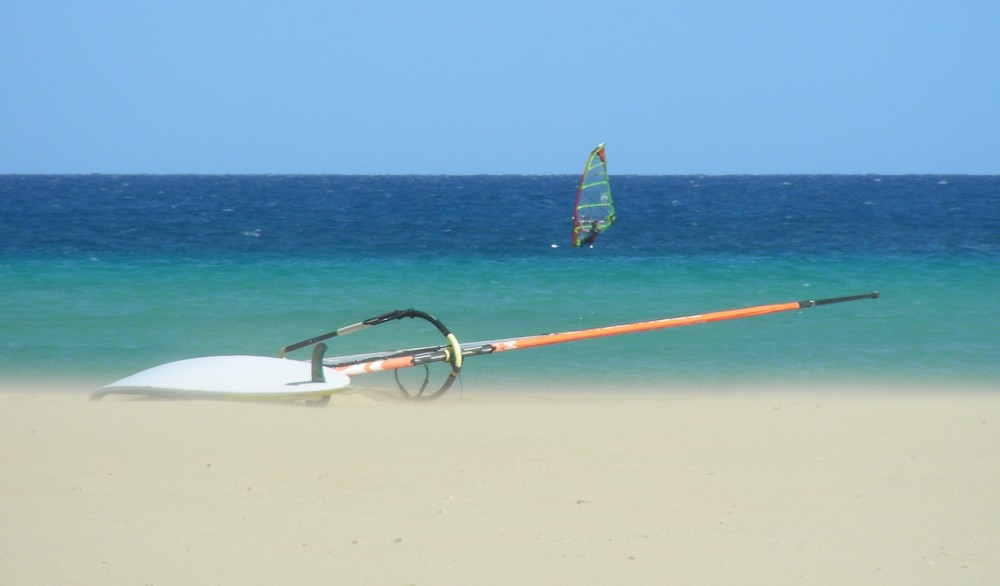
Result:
[794,486]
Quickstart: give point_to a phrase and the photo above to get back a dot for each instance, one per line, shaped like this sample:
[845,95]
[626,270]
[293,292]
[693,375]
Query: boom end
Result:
[810,303]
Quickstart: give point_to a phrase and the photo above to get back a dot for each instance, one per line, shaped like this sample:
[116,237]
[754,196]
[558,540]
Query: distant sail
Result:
[594,212]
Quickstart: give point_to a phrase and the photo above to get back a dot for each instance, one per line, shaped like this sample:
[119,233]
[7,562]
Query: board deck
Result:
[254,377]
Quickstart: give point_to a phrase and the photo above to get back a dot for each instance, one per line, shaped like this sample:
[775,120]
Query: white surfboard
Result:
[253,377]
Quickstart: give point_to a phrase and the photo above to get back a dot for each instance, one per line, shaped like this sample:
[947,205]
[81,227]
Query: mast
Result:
[382,361]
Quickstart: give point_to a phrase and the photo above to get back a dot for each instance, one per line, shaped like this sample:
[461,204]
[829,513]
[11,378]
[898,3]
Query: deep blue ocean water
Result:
[102,276]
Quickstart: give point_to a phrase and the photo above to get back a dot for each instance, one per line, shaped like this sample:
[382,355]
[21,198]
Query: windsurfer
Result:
[593,212]
[595,229]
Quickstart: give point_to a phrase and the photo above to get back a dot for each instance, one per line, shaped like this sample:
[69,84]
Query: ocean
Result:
[105,275]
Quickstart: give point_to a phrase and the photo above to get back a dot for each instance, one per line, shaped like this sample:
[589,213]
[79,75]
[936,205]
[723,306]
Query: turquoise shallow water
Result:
[102,276]
[103,320]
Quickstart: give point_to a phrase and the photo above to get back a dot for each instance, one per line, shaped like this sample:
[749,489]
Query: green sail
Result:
[594,211]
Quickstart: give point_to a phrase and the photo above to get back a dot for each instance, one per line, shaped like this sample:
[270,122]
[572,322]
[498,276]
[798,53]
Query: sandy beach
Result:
[753,486]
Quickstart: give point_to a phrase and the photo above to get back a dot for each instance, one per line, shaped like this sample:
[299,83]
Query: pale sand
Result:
[682,487]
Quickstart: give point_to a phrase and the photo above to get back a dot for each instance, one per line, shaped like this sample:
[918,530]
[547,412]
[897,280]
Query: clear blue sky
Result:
[461,87]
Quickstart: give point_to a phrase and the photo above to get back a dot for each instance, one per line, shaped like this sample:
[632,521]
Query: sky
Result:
[514,87]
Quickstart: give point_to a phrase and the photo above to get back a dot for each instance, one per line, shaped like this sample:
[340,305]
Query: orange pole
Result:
[441,353]
[643,326]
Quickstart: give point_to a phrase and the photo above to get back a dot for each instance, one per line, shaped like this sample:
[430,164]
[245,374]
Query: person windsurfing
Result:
[593,211]
[595,229]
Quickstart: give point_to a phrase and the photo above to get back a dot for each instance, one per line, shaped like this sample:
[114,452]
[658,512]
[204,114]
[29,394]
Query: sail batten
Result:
[594,211]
